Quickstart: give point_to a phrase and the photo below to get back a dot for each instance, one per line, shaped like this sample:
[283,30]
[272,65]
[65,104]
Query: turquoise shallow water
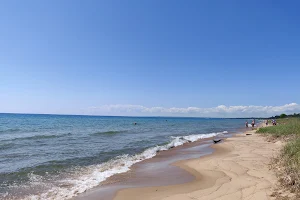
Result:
[60,156]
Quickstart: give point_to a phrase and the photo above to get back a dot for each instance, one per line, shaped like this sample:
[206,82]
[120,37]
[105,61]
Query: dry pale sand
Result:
[238,169]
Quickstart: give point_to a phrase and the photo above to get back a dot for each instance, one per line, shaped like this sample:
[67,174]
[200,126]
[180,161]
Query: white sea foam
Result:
[91,176]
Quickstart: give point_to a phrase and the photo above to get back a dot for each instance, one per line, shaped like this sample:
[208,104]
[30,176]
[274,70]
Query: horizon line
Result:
[129,115]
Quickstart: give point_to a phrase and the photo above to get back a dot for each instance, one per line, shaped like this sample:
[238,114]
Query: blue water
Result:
[47,156]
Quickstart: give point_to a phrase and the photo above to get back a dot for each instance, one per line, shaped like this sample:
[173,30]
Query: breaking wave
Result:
[90,176]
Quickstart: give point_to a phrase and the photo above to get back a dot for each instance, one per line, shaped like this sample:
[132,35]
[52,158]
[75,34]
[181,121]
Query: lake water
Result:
[61,156]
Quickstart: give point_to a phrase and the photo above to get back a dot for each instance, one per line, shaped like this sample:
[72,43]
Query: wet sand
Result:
[160,170]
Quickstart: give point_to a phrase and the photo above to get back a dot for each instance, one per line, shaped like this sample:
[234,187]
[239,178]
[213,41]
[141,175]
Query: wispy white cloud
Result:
[219,111]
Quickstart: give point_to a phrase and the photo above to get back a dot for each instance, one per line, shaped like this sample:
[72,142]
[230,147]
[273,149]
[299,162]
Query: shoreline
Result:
[156,171]
[161,170]
[237,169]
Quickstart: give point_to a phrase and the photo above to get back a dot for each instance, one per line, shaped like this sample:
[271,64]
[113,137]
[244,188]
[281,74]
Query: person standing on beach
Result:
[274,122]
[253,123]
[246,124]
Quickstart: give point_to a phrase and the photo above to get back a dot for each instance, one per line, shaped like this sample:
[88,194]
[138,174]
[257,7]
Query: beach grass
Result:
[289,165]
[288,162]
[284,127]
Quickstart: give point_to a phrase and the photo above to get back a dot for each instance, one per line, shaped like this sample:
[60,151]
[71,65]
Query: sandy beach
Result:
[237,169]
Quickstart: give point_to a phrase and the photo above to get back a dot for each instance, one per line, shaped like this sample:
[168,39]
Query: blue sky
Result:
[75,57]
